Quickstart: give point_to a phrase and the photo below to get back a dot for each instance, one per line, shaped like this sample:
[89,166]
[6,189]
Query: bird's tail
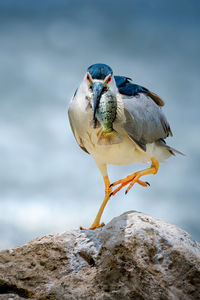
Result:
[174,151]
[170,149]
[109,138]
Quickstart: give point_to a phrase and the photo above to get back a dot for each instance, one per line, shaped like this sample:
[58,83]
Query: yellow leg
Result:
[108,191]
[132,179]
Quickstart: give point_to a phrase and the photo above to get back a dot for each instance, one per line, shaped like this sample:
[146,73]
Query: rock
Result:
[133,257]
[12,297]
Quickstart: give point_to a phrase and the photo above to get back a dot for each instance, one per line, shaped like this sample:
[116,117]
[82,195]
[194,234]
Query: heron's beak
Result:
[97,90]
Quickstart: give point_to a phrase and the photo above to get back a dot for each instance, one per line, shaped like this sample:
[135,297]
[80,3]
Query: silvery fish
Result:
[106,114]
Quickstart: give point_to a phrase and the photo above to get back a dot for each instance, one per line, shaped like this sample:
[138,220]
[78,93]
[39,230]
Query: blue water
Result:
[47,183]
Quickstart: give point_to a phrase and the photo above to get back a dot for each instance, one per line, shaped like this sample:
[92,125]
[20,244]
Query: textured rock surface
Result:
[133,257]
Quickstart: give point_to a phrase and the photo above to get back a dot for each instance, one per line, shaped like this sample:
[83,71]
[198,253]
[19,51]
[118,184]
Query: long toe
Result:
[92,228]
[131,180]
[98,226]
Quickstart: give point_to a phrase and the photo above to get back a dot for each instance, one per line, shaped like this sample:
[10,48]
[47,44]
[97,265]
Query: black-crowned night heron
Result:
[118,122]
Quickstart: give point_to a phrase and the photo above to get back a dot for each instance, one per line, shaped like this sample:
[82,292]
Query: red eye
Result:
[109,79]
[88,77]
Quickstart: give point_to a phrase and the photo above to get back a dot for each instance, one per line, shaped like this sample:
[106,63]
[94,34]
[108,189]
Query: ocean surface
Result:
[47,183]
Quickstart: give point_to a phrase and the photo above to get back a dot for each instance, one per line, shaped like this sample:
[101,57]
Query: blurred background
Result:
[47,183]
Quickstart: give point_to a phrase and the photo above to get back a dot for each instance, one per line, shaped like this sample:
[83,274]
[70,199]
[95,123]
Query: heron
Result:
[119,122]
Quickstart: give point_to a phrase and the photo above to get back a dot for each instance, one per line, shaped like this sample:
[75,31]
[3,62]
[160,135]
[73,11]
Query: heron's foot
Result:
[131,180]
[134,178]
[93,227]
[98,226]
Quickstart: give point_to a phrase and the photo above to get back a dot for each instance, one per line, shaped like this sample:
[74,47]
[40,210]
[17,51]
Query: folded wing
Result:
[144,120]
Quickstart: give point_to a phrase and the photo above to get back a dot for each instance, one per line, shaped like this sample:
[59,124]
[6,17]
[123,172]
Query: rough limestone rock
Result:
[133,257]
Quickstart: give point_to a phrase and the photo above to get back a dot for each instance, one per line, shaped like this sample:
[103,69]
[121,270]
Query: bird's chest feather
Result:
[123,152]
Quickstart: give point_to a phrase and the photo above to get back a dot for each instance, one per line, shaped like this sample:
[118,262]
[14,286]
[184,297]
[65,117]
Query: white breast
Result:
[126,152]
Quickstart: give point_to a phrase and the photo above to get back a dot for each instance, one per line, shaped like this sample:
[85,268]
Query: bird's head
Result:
[99,80]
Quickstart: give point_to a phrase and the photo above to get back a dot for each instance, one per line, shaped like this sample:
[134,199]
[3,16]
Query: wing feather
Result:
[144,121]
[128,88]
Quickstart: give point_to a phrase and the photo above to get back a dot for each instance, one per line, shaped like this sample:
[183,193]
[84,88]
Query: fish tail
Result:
[109,138]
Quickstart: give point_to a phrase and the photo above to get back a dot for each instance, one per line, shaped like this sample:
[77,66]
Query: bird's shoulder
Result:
[127,88]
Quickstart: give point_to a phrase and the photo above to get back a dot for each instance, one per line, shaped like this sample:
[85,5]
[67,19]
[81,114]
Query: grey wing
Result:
[144,121]
[78,139]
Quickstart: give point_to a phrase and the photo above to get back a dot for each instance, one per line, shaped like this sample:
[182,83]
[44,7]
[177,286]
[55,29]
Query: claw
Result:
[82,228]
[147,183]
